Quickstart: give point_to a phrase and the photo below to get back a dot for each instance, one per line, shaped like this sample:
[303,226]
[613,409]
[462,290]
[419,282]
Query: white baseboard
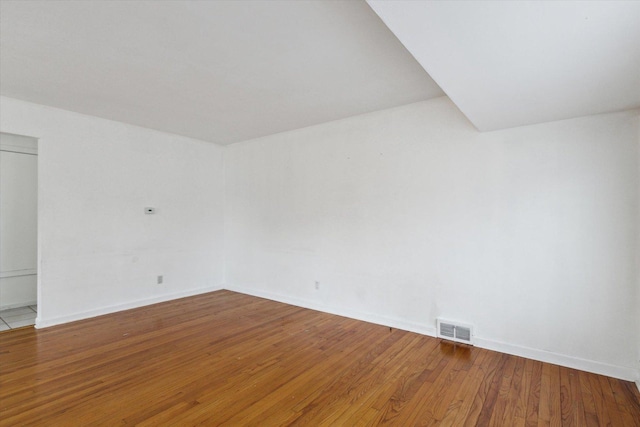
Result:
[624,373]
[47,322]
[621,372]
[20,304]
[628,374]
[352,314]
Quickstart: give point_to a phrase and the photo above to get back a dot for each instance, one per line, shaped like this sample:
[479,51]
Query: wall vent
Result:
[455,331]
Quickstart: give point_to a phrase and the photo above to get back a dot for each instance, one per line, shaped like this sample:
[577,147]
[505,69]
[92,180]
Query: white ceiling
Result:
[228,71]
[221,71]
[512,63]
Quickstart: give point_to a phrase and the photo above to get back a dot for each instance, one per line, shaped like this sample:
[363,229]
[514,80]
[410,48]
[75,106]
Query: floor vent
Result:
[455,331]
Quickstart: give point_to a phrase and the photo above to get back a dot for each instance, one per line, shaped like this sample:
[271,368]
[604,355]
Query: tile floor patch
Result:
[15,311]
[14,318]
[21,323]
[17,317]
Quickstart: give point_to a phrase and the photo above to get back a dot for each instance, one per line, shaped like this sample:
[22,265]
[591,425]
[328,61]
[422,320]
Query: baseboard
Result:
[620,372]
[45,323]
[352,314]
[638,384]
[614,371]
[20,304]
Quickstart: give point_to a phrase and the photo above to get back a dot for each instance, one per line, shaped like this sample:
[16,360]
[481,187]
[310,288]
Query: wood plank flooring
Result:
[229,359]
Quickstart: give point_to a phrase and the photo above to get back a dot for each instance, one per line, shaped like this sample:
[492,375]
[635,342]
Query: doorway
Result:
[18,230]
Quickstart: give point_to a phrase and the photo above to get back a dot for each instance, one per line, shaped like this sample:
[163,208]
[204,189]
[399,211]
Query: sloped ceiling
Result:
[512,63]
[228,71]
[220,71]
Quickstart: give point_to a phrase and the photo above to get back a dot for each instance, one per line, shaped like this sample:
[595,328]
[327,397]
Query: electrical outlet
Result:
[317,285]
[160,280]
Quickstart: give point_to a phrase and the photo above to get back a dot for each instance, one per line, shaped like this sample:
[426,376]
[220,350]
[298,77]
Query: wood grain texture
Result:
[229,359]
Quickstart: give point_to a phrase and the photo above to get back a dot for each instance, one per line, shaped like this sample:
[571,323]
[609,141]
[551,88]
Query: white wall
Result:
[98,251]
[531,234]
[18,220]
[410,214]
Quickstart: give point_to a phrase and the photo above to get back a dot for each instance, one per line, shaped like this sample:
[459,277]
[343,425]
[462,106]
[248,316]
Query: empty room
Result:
[322,213]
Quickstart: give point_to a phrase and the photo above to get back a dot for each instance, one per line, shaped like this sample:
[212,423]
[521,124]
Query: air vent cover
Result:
[455,331]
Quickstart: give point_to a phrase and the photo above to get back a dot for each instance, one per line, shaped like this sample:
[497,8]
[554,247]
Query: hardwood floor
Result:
[229,359]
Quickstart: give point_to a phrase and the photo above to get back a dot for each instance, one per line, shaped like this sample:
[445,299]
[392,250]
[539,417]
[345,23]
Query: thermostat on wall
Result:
[149,210]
